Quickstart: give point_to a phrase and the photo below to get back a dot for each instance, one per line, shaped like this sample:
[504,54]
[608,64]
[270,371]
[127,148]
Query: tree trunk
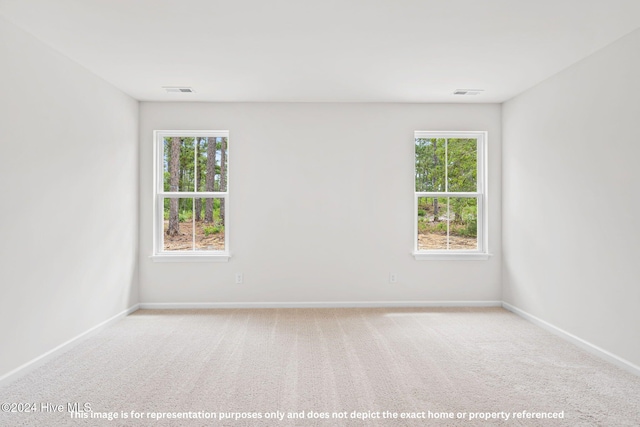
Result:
[174,166]
[198,202]
[198,208]
[435,182]
[435,210]
[457,212]
[211,174]
[223,174]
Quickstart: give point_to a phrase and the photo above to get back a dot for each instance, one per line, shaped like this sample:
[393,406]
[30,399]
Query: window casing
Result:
[191,196]
[450,203]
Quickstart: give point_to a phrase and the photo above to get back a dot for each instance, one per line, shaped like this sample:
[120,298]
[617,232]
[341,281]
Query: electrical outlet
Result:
[238,278]
[393,277]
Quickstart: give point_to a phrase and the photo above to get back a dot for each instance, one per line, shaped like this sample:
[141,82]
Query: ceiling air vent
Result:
[176,89]
[468,91]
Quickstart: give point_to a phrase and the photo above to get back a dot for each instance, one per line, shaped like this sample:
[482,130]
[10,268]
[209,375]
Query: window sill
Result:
[218,257]
[453,256]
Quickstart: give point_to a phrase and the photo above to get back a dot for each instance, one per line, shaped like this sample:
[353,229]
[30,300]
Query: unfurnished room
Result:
[319,213]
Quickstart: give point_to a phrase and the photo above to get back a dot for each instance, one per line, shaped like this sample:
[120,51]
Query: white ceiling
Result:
[325,50]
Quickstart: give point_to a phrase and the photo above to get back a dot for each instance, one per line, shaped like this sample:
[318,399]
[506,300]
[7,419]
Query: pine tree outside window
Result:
[450,196]
[191,196]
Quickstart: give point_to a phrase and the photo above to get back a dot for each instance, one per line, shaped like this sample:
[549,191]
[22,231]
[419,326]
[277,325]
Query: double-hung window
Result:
[191,196]
[450,195]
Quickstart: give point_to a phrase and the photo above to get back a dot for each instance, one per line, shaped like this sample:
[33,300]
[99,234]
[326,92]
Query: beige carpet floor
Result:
[329,367]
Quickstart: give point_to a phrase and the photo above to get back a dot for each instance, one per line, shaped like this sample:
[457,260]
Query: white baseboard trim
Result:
[591,348]
[325,304]
[585,345]
[49,355]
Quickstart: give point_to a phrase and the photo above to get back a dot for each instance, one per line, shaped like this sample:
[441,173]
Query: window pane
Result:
[432,223]
[212,164]
[178,224]
[179,164]
[430,161]
[462,161]
[210,221]
[454,227]
[463,223]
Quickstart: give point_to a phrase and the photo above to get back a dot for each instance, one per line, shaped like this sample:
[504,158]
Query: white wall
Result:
[321,205]
[571,233]
[68,222]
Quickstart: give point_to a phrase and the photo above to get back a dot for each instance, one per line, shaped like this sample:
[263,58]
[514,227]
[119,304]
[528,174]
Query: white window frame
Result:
[482,252]
[159,254]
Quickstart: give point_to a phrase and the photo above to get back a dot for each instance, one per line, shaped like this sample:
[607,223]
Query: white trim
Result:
[199,133]
[193,194]
[65,346]
[585,345]
[450,256]
[442,134]
[323,304]
[190,257]
[443,194]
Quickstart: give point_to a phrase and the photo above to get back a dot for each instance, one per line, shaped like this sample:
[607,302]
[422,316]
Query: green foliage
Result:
[212,229]
[190,148]
[446,164]
[185,164]
[430,157]
[428,227]
[471,228]
[185,209]
[460,213]
[468,229]
[184,216]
